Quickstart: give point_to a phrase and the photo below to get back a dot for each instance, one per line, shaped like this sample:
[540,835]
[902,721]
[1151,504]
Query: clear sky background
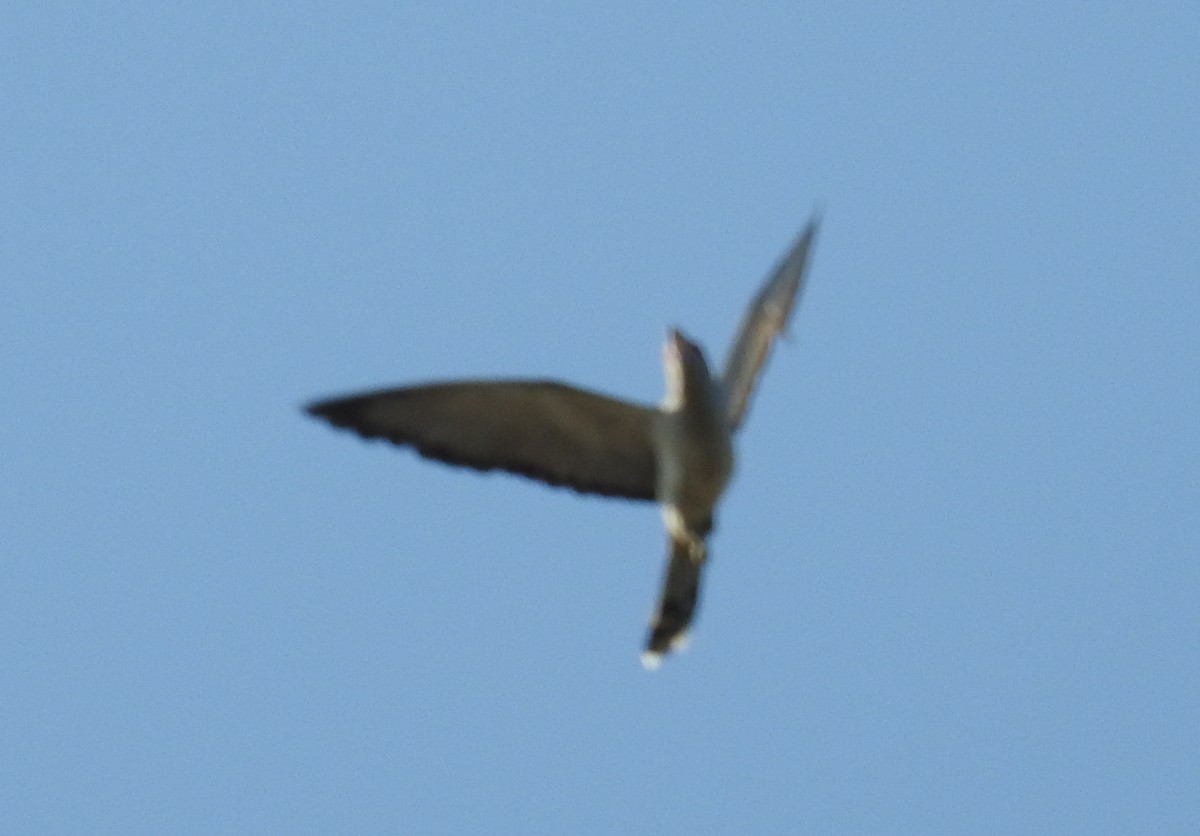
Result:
[955,582]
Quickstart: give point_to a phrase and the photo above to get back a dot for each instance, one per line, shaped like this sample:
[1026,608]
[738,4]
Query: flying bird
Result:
[678,454]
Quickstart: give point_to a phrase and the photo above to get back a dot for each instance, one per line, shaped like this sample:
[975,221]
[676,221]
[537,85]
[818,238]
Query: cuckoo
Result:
[679,454]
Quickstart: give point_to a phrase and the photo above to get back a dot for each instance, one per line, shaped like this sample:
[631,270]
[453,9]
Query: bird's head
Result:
[685,369]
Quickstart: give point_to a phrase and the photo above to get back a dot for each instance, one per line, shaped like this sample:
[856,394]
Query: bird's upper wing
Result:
[766,318]
[541,429]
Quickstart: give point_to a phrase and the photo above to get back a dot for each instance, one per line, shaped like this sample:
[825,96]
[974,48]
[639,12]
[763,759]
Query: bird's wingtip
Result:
[814,224]
[333,410]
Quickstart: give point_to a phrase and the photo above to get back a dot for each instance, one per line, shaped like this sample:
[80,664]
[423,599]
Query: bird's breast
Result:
[695,461]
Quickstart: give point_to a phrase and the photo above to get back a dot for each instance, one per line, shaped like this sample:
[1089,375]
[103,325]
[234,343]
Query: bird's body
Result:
[693,440]
[679,455]
[694,449]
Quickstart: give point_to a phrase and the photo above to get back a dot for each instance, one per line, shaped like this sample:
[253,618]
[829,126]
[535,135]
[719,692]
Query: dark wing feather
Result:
[541,429]
[766,318]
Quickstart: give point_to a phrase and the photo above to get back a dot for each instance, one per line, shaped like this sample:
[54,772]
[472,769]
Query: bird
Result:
[678,454]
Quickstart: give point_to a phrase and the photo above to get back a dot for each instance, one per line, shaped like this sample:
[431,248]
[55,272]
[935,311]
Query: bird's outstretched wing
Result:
[766,318]
[541,429]
[677,602]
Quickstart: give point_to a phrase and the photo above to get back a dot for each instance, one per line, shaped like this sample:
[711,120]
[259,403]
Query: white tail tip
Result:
[652,659]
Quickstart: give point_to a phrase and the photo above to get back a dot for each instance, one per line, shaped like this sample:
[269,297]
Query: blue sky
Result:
[954,584]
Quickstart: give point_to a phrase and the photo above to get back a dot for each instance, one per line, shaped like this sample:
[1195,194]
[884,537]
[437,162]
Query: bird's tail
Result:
[677,604]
